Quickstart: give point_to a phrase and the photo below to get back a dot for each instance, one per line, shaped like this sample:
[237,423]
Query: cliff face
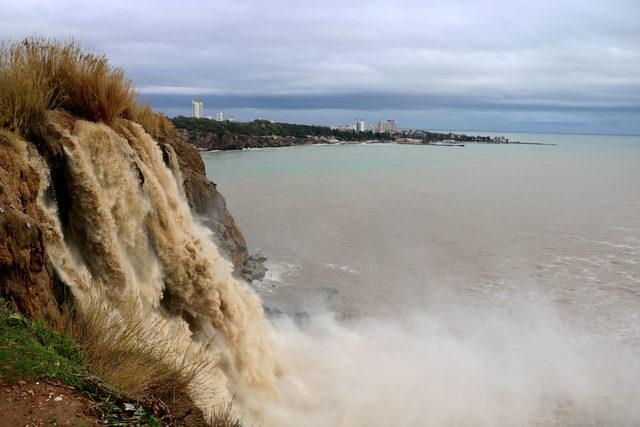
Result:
[26,275]
[232,141]
[27,278]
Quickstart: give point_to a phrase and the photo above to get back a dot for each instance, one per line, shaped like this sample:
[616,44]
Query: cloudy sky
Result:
[561,65]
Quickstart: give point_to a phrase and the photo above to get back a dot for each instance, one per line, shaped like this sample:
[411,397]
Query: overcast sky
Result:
[568,66]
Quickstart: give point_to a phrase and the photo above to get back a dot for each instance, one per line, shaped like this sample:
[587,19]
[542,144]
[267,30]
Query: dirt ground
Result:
[42,404]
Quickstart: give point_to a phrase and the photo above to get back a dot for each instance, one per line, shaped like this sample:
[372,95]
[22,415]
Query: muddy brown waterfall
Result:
[123,233]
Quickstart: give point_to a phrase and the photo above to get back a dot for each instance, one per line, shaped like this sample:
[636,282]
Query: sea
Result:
[490,284]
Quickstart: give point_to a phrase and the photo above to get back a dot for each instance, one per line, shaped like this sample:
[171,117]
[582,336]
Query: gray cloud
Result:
[510,56]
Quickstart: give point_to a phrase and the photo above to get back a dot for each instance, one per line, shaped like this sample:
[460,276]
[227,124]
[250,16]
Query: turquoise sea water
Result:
[346,159]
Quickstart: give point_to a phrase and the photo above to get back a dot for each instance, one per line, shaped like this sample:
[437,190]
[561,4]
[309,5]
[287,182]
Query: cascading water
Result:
[131,239]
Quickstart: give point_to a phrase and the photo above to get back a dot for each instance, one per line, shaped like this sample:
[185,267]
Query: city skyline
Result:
[359,125]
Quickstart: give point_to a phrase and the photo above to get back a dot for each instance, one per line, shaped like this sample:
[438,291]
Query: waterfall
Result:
[132,240]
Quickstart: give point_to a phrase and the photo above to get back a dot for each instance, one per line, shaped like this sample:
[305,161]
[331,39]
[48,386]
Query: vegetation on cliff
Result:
[103,362]
[38,74]
[30,351]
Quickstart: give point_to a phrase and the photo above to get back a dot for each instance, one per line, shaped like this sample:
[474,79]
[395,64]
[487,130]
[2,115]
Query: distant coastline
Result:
[206,134]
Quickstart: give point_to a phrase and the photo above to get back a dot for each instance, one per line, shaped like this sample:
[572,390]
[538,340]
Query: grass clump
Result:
[224,417]
[25,93]
[144,363]
[155,124]
[38,74]
[134,356]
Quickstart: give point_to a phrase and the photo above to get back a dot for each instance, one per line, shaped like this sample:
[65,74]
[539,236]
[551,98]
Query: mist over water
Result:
[490,285]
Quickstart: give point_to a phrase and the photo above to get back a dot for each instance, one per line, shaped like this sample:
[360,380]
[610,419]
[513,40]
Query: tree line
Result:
[268,128]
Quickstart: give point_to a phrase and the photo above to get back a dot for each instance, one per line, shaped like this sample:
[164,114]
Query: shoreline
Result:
[376,142]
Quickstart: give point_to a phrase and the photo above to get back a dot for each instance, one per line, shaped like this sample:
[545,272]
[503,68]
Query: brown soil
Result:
[43,404]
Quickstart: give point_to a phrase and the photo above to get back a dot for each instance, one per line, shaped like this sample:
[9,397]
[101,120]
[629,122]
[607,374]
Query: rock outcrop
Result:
[27,280]
[233,141]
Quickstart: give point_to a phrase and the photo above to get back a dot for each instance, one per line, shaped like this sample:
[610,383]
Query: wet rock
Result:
[27,281]
[253,267]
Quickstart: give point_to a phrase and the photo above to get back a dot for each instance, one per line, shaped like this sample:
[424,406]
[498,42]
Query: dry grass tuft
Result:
[25,93]
[143,364]
[155,124]
[137,360]
[132,355]
[224,417]
[38,74]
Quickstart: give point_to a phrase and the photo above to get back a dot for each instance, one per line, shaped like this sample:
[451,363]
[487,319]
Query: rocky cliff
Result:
[233,141]
[26,275]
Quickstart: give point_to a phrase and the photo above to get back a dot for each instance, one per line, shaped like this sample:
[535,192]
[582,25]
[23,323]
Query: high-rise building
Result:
[390,126]
[359,125]
[198,108]
[220,116]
